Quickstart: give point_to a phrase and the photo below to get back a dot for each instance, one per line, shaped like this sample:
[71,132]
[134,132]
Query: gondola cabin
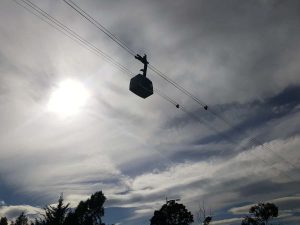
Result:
[141,86]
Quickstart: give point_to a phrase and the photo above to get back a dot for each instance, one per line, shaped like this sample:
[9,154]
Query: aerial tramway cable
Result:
[41,14]
[130,51]
[252,140]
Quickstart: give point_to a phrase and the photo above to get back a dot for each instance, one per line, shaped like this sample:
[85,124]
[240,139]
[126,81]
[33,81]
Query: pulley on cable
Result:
[140,84]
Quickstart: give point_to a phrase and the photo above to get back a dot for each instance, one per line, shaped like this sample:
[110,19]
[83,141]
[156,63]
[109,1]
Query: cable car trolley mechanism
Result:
[140,84]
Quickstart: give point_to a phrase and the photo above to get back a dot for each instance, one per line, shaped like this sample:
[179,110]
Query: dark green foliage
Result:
[207,220]
[56,215]
[22,220]
[249,221]
[201,216]
[261,214]
[39,222]
[3,221]
[172,213]
[89,212]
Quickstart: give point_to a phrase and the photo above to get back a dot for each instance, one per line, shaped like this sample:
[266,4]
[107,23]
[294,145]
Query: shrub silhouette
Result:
[261,214]
[172,213]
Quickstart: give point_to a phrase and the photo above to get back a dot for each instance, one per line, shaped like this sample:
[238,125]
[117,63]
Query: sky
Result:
[70,125]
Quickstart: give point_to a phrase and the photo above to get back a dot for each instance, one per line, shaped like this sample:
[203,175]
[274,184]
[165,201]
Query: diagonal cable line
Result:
[41,14]
[129,50]
[224,136]
[251,140]
[99,26]
[72,34]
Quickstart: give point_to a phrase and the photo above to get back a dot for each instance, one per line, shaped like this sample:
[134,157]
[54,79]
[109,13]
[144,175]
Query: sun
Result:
[68,98]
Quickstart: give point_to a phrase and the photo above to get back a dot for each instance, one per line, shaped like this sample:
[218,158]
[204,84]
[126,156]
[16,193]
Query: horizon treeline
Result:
[91,211]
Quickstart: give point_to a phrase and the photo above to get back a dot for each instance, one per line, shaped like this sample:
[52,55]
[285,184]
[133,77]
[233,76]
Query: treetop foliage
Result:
[89,212]
[3,221]
[56,215]
[22,219]
[261,214]
[172,213]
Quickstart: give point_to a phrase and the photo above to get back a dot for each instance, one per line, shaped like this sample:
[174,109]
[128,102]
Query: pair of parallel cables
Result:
[43,15]
[123,45]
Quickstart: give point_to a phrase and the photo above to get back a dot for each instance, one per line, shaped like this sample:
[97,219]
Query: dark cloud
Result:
[259,113]
[260,189]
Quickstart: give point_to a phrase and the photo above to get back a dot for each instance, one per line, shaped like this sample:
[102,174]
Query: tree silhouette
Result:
[3,221]
[89,212]
[172,213]
[201,215]
[55,215]
[22,220]
[261,214]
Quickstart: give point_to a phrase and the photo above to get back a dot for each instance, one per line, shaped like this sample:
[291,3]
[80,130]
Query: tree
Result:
[55,215]
[89,212]
[261,214]
[22,220]
[172,213]
[3,221]
[201,215]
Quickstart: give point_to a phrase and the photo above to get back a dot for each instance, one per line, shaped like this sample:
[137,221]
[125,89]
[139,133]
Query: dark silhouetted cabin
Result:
[141,86]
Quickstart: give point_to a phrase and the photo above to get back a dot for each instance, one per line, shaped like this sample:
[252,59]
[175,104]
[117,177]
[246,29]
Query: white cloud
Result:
[286,205]
[123,144]
[195,181]
[13,211]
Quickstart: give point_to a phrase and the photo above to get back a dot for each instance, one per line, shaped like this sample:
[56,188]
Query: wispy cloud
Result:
[241,58]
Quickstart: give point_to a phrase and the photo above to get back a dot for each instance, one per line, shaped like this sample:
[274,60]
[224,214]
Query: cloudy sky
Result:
[69,123]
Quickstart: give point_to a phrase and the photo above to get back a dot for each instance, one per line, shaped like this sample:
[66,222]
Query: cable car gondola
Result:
[140,84]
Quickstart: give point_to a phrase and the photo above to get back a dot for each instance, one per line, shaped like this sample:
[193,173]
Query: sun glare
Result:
[68,98]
